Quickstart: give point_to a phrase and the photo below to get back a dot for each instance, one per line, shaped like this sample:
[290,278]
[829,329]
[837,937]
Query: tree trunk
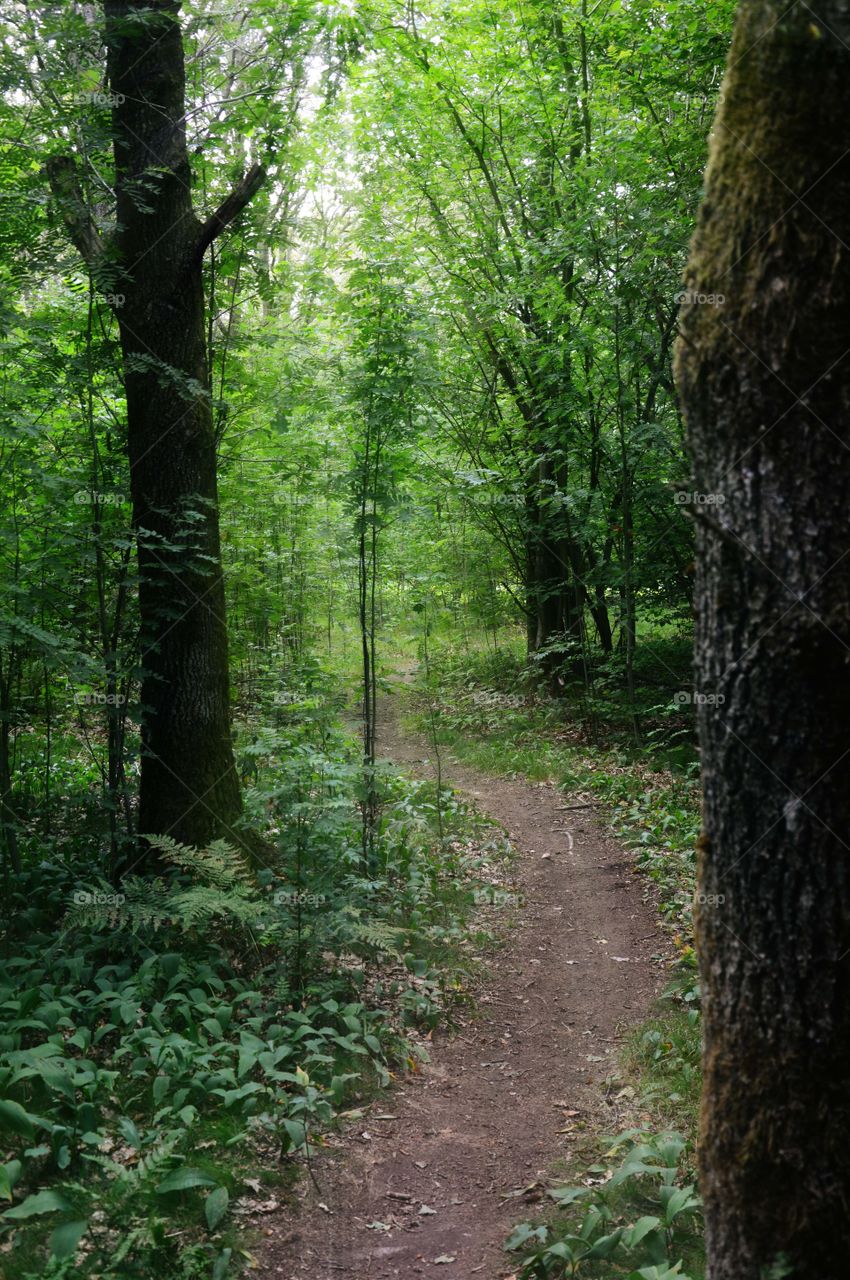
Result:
[150,268]
[8,816]
[766,327]
[554,611]
[189,785]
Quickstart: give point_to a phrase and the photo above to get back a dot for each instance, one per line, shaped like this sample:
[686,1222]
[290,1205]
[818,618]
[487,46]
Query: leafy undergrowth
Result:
[173,1050]
[635,1213]
[632,1209]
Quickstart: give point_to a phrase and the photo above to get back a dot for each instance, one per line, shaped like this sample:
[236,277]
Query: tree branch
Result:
[239,198]
[61,172]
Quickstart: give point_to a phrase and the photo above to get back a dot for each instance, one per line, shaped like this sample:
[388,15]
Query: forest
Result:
[424,637]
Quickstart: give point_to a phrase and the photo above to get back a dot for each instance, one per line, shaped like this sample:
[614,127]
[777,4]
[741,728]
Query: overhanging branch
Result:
[239,198]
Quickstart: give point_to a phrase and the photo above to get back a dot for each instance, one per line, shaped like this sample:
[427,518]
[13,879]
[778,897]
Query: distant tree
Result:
[764,379]
[383,382]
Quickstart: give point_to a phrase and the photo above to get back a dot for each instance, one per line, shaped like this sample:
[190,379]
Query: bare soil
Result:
[443,1166]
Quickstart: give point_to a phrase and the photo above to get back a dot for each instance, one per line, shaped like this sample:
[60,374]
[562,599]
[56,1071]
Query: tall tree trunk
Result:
[189,785]
[764,379]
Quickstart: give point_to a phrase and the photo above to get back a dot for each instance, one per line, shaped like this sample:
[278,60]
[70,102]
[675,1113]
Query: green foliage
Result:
[136,1036]
[439,345]
[215,884]
[635,1219]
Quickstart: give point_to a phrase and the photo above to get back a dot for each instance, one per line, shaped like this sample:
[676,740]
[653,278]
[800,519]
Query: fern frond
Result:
[352,931]
[219,864]
[224,888]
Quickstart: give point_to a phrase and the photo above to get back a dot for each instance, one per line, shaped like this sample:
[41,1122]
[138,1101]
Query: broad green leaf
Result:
[40,1202]
[222,1264]
[183,1180]
[297,1133]
[642,1228]
[65,1238]
[215,1206]
[9,1174]
[14,1117]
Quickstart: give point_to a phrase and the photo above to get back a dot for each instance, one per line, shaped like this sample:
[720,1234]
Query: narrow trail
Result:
[437,1158]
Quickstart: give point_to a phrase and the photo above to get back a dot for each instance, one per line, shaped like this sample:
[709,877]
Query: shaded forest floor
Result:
[437,1172]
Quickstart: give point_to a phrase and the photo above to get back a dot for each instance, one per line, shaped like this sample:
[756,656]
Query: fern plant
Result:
[211,883]
[369,937]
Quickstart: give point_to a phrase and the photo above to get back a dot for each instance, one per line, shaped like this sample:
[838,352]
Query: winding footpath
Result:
[442,1166]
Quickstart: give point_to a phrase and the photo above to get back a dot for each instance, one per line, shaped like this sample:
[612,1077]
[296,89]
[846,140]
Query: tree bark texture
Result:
[763,368]
[189,784]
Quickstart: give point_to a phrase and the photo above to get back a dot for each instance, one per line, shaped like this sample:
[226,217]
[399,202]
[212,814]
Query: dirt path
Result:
[436,1160]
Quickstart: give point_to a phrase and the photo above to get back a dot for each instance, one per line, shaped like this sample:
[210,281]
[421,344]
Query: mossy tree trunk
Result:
[763,368]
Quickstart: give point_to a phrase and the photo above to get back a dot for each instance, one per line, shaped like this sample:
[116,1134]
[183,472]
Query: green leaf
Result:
[215,1206]
[161,1085]
[65,1238]
[683,1200]
[642,1228]
[222,1264]
[130,1132]
[605,1245]
[41,1202]
[13,1116]
[183,1180]
[560,1250]
[9,1174]
[297,1133]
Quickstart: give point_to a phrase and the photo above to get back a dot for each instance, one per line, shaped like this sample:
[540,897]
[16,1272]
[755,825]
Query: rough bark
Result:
[762,368]
[189,785]
[152,268]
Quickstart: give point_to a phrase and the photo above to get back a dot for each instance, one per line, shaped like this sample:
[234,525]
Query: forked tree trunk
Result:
[152,266]
[764,376]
